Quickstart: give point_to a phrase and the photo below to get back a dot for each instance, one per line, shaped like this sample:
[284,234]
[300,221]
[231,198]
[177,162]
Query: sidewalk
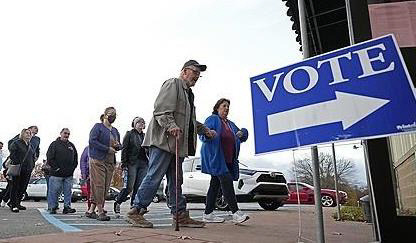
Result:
[263,227]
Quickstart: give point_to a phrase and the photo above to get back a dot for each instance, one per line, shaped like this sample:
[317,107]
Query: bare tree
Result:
[345,169]
[37,171]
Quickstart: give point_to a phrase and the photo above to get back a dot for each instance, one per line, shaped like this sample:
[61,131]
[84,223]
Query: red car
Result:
[111,195]
[306,195]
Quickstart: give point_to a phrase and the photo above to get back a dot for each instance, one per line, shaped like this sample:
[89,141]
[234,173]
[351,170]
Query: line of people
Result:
[147,158]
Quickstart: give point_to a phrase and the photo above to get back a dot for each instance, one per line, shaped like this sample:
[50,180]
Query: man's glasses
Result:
[195,71]
[67,133]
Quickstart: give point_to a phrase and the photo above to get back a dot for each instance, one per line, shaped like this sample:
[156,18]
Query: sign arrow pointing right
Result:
[346,108]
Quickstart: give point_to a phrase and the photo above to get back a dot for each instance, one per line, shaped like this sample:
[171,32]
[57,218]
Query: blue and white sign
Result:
[357,92]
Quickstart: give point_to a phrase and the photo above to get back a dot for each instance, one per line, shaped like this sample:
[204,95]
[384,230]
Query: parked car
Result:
[76,194]
[161,191]
[265,186]
[306,196]
[3,185]
[36,190]
[111,195]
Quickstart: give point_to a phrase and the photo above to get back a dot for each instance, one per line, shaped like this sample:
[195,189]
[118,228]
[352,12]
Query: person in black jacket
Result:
[20,153]
[34,142]
[63,159]
[134,162]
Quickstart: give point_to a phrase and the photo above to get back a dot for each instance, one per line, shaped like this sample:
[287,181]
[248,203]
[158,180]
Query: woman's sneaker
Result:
[212,218]
[3,204]
[228,215]
[240,217]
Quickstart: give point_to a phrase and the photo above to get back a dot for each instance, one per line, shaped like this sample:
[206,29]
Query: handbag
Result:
[14,170]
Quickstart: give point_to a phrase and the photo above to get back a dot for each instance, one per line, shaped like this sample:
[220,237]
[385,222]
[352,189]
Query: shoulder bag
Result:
[14,170]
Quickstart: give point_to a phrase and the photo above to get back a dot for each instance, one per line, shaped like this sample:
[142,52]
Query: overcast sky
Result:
[63,62]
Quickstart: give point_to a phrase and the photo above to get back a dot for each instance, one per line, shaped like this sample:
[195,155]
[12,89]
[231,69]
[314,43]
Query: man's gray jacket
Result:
[172,109]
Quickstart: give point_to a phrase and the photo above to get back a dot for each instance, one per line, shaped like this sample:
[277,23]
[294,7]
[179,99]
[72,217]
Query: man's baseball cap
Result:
[196,64]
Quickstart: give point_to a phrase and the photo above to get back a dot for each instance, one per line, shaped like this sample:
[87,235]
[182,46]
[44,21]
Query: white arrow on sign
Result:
[346,108]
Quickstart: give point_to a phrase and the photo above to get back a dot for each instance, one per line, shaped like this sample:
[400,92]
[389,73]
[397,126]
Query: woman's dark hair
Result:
[102,117]
[217,105]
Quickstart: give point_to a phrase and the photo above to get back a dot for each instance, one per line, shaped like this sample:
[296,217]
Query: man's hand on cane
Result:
[176,131]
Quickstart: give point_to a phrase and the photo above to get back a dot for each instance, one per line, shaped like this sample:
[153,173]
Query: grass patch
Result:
[351,213]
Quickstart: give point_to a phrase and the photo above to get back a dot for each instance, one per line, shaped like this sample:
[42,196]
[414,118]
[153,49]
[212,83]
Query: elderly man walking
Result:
[173,117]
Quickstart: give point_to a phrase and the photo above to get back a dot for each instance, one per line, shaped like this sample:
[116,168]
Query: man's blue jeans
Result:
[161,163]
[56,186]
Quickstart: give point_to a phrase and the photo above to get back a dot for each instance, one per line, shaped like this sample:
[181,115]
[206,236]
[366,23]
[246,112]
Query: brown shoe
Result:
[103,217]
[185,221]
[135,217]
[92,215]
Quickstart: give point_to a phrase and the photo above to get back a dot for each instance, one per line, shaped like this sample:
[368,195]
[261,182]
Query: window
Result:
[40,181]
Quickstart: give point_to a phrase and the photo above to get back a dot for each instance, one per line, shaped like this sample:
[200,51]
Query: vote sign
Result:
[362,91]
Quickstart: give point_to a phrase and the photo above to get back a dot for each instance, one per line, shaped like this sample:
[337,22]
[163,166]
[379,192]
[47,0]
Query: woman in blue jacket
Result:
[104,142]
[219,158]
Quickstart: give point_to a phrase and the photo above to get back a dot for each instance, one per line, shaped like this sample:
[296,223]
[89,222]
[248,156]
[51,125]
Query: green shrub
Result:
[351,213]
[406,212]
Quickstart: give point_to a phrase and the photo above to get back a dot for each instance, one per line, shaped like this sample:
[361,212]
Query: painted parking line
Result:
[113,219]
[57,223]
[77,222]
[154,225]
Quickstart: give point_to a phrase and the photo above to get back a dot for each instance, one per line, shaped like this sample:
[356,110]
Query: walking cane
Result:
[176,181]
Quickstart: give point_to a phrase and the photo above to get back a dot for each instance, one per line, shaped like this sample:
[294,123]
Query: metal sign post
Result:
[319,217]
[334,161]
[373,206]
